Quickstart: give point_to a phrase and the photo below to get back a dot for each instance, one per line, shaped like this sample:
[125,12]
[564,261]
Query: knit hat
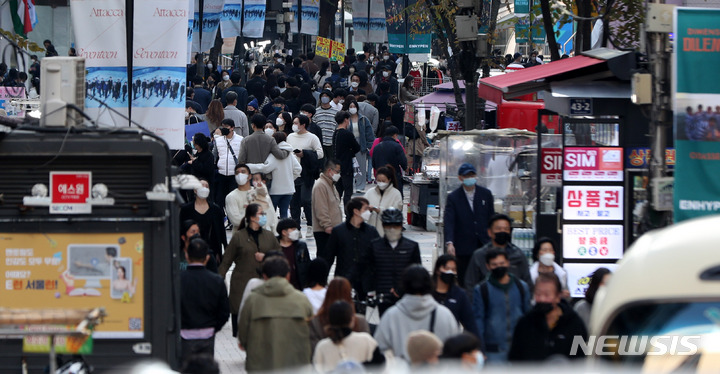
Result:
[423,346]
[253,103]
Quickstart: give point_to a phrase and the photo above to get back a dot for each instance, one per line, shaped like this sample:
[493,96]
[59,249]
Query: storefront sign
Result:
[551,167]
[639,158]
[581,107]
[77,271]
[587,203]
[593,242]
[579,276]
[69,192]
[593,164]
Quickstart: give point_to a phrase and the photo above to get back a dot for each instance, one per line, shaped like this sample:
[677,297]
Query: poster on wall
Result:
[210,23]
[376,24]
[361,20]
[253,18]
[579,276]
[310,17]
[231,18]
[603,242]
[696,113]
[593,164]
[76,271]
[588,203]
[100,37]
[159,68]
[7,94]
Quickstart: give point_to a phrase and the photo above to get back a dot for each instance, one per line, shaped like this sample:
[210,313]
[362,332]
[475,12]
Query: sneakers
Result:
[309,232]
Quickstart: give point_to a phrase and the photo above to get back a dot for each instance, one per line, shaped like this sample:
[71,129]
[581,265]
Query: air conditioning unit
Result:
[467,28]
[62,82]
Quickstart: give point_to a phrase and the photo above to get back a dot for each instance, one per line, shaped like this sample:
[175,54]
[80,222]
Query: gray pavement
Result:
[232,360]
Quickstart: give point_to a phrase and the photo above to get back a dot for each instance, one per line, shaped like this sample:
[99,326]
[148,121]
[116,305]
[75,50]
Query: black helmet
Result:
[392,216]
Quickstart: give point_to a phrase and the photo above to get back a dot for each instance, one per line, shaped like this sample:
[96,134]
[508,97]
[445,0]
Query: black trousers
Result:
[224,185]
[321,239]
[301,199]
[462,263]
[198,346]
[345,187]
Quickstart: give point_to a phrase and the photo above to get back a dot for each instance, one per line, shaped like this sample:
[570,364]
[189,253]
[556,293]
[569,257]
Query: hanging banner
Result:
[310,17]
[376,22]
[254,18]
[231,18]
[485,16]
[210,23]
[522,7]
[159,68]
[361,20]
[538,31]
[295,24]
[100,37]
[419,28]
[396,25]
[191,27]
[697,113]
[522,29]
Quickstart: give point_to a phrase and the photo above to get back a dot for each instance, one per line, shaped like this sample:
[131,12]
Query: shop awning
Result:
[596,64]
[440,98]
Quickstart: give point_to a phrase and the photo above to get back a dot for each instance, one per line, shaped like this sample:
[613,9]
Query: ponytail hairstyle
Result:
[250,211]
[340,317]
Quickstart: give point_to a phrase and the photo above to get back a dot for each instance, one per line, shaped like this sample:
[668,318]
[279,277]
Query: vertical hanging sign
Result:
[100,37]
[396,25]
[231,18]
[295,24]
[377,31]
[160,50]
[310,17]
[191,27]
[210,23]
[254,18]
[361,20]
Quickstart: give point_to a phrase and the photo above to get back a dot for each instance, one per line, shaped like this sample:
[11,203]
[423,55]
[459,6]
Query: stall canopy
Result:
[444,95]
[591,65]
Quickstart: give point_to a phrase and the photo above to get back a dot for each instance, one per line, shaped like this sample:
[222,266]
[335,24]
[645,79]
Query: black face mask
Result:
[224,131]
[502,238]
[448,278]
[499,272]
[543,308]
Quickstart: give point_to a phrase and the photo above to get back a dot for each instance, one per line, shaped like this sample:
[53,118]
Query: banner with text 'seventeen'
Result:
[697,113]
[191,27]
[361,20]
[158,89]
[231,18]
[396,25]
[310,16]
[376,25]
[100,37]
[254,18]
[209,24]
[295,24]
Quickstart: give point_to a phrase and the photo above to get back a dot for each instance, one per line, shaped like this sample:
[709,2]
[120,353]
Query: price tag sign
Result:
[69,192]
[581,107]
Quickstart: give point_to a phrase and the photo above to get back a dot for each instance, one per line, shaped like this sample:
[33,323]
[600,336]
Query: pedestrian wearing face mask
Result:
[209,217]
[296,252]
[544,256]
[237,200]
[363,132]
[326,212]
[467,216]
[549,328]
[383,265]
[223,84]
[383,196]
[349,241]
[386,77]
[226,149]
[447,292]
[498,303]
[499,229]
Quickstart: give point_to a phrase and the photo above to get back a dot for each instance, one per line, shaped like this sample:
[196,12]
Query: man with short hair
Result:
[339,99]
[498,303]
[226,151]
[517,62]
[298,70]
[326,212]
[273,323]
[467,217]
[499,230]
[367,109]
[204,304]
[232,112]
[308,110]
[345,146]
[256,85]
[255,148]
[202,96]
[242,94]
[325,119]
[310,152]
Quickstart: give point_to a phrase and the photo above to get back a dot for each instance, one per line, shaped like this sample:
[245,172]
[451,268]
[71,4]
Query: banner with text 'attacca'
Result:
[160,50]
[697,113]
[100,37]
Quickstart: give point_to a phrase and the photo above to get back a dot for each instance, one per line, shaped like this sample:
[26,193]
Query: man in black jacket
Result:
[242,94]
[390,152]
[383,265]
[204,304]
[345,146]
[350,241]
[308,110]
[256,85]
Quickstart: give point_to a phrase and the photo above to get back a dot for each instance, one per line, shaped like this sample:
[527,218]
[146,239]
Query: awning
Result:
[596,64]
[440,98]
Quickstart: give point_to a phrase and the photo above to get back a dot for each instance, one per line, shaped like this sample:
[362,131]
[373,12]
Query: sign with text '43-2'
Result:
[69,192]
[581,107]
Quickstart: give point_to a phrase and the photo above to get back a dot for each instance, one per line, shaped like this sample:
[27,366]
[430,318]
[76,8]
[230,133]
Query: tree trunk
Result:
[328,8]
[549,30]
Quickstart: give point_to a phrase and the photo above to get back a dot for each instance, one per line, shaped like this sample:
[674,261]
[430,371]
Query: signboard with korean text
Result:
[639,157]
[551,167]
[579,276]
[338,52]
[77,271]
[69,191]
[587,203]
[323,46]
[603,242]
[593,164]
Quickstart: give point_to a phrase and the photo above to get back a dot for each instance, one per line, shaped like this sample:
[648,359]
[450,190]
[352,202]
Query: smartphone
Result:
[296,151]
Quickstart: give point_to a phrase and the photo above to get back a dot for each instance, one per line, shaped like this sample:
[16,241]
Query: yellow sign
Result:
[338,52]
[323,46]
[77,271]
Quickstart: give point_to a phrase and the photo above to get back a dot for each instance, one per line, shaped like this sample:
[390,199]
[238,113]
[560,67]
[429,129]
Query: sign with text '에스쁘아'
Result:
[587,203]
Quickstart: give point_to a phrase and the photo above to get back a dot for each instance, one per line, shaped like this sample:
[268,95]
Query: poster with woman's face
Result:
[121,281]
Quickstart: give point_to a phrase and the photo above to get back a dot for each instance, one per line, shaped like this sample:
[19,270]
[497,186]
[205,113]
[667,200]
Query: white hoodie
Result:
[284,172]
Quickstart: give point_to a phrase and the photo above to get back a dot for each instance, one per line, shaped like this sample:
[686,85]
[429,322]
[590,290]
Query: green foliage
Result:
[22,42]
[626,18]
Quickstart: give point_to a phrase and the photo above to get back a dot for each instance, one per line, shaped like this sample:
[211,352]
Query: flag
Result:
[23,16]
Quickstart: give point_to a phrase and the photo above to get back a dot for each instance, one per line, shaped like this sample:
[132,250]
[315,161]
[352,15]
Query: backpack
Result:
[485,293]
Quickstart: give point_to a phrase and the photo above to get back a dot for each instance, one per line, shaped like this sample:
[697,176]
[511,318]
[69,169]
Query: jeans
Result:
[345,187]
[225,184]
[369,174]
[301,199]
[281,202]
[360,179]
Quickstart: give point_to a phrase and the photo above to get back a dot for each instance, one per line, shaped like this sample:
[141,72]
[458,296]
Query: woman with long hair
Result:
[383,196]
[306,95]
[362,130]
[246,249]
[448,293]
[584,306]
[323,73]
[338,289]
[214,115]
[407,91]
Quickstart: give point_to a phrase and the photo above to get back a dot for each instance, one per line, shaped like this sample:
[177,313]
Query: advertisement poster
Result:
[588,203]
[522,7]
[485,16]
[331,49]
[254,18]
[419,27]
[639,157]
[579,276]
[604,242]
[77,271]
[522,29]
[593,164]
[376,27]
[551,167]
[361,20]
[310,17]
[231,18]
[209,25]
[159,68]
[697,113]
[10,93]
[100,37]
[396,25]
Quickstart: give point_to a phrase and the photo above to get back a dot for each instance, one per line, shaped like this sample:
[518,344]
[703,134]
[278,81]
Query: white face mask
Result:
[269,131]
[295,128]
[547,259]
[354,84]
[352,70]
[241,179]
[294,235]
[386,57]
[336,177]
[341,101]
[386,74]
[279,121]
[366,215]
[210,66]
[187,114]
[226,77]
[352,110]
[372,58]
[393,234]
[203,192]
[383,185]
